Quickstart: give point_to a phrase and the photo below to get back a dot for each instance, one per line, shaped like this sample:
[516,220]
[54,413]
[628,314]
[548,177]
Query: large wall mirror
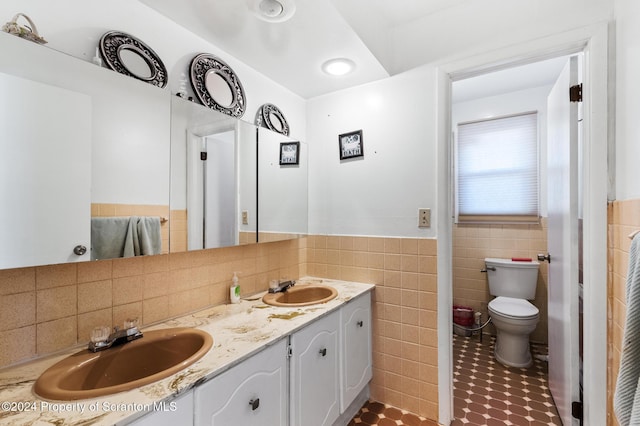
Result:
[227,184]
[77,142]
[213,178]
[84,149]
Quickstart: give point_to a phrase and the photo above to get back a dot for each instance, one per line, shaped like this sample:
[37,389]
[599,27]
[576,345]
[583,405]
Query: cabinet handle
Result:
[323,351]
[80,250]
[254,403]
[360,323]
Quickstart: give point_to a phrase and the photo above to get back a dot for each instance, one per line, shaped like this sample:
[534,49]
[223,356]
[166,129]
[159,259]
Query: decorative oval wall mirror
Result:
[272,118]
[127,55]
[217,86]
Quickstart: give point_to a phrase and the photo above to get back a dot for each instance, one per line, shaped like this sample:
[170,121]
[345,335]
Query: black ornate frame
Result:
[113,42]
[263,119]
[204,63]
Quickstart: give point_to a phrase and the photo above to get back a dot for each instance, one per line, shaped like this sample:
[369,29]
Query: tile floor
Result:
[375,413]
[485,392]
[488,393]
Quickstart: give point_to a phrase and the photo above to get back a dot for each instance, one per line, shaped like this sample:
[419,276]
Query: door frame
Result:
[593,40]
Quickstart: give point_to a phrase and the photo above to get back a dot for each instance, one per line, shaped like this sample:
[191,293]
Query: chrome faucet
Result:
[101,339]
[282,287]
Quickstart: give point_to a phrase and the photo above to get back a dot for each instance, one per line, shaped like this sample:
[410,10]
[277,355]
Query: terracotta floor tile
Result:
[517,395]
[375,413]
[485,393]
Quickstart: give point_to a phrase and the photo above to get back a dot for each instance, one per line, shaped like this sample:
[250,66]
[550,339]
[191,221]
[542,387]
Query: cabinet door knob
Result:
[80,250]
[360,323]
[254,403]
[323,351]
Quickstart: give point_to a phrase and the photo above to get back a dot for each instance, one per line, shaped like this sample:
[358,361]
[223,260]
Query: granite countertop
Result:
[238,331]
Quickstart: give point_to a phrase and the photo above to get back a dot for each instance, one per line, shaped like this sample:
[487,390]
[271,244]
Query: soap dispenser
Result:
[234,290]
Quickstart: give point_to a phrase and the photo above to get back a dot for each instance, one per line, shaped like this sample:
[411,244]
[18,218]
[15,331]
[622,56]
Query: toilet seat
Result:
[513,308]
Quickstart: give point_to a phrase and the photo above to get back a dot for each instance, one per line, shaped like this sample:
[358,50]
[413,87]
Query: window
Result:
[497,170]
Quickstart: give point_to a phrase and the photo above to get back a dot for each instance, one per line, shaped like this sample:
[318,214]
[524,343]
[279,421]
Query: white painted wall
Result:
[75,27]
[282,190]
[380,193]
[534,99]
[627,100]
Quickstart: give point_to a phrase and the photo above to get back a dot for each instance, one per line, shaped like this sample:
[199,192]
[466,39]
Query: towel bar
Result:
[633,234]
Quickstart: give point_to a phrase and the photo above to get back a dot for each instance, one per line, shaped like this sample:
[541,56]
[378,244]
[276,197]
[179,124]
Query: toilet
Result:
[515,318]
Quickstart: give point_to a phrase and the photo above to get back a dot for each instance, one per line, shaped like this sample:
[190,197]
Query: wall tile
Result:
[403,330]
[623,218]
[127,312]
[127,290]
[17,280]
[156,309]
[90,320]
[94,296]
[17,310]
[56,335]
[55,303]
[18,344]
[56,275]
[70,300]
[95,271]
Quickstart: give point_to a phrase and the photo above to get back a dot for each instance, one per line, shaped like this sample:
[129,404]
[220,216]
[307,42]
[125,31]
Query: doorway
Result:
[482,102]
[593,41]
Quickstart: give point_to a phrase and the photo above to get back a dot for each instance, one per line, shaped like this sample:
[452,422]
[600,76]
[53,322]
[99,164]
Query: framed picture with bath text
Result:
[351,145]
[289,153]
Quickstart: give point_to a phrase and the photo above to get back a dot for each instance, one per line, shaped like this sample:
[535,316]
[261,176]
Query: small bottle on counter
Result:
[234,290]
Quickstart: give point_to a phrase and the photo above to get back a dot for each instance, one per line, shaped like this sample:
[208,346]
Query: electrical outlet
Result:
[245,217]
[424,218]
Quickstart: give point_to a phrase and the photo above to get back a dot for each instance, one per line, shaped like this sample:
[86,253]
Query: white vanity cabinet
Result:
[355,341]
[314,368]
[178,412]
[253,392]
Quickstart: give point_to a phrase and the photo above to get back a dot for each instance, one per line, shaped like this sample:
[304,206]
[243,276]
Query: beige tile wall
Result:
[178,231]
[113,210]
[45,309]
[405,349]
[473,243]
[623,218]
[49,308]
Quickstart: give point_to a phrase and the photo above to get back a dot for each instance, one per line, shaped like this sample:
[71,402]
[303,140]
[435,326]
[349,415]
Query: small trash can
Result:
[462,320]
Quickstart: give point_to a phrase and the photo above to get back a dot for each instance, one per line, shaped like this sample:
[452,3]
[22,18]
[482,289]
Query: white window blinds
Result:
[497,170]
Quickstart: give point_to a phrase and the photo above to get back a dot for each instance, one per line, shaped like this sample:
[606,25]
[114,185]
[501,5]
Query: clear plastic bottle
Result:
[234,290]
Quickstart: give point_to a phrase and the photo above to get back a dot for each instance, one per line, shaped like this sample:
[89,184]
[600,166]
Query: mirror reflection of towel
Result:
[113,237]
[147,238]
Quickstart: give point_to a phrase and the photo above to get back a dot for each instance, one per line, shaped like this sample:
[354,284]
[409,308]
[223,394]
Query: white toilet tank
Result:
[512,278]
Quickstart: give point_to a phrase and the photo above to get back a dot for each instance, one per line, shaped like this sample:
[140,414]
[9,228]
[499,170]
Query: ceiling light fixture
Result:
[338,66]
[273,10]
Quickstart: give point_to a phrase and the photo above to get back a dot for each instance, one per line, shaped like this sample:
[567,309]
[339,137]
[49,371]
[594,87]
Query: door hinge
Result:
[203,156]
[575,93]
[576,410]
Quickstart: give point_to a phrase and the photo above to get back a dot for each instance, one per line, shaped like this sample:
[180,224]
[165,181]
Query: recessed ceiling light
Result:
[338,66]
[273,10]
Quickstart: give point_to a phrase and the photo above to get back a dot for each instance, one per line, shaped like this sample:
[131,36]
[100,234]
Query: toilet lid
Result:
[511,307]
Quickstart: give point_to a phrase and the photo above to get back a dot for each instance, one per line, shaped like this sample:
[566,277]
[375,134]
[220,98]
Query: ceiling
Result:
[382,37]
